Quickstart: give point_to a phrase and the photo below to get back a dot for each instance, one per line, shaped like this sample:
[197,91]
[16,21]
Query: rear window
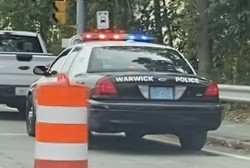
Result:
[127,58]
[14,43]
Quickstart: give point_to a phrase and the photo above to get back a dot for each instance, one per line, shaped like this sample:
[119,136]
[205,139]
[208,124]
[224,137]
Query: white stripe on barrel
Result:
[69,115]
[65,152]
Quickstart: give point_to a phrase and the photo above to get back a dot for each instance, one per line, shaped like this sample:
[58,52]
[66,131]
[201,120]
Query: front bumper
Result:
[171,117]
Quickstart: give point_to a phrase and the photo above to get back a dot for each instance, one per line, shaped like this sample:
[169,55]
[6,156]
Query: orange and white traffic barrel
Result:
[61,126]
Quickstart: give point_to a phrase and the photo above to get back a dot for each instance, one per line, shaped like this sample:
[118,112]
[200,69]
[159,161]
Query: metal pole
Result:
[80,17]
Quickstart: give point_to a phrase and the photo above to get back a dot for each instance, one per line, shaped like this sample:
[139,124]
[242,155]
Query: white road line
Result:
[204,149]
[12,134]
[227,154]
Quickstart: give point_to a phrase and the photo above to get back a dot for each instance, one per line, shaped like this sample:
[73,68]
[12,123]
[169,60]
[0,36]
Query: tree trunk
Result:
[203,42]
[120,16]
[158,25]
[169,32]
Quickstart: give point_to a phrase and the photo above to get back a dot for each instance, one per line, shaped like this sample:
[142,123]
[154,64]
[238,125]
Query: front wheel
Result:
[193,140]
[30,117]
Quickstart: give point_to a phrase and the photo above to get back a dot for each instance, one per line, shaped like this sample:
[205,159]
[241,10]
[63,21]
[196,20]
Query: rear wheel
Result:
[193,140]
[90,140]
[30,117]
[134,136]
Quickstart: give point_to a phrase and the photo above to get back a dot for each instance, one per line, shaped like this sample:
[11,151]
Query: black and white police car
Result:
[138,88]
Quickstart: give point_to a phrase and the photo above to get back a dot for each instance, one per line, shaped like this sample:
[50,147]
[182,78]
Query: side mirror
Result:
[53,73]
[47,66]
[40,70]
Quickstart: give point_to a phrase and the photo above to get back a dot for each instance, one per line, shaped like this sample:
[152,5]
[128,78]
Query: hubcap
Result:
[31,115]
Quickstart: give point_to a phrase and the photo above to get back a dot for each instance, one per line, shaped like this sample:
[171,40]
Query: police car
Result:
[138,88]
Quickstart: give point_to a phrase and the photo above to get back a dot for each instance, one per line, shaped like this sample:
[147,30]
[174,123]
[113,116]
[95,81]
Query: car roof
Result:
[19,33]
[120,43]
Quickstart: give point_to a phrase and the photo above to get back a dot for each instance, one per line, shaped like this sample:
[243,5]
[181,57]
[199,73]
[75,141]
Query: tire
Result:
[134,136]
[21,110]
[30,117]
[90,140]
[193,140]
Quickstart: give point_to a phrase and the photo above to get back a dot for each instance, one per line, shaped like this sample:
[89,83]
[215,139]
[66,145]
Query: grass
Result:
[236,112]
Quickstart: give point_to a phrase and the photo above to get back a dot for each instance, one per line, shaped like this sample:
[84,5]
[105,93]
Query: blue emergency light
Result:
[140,37]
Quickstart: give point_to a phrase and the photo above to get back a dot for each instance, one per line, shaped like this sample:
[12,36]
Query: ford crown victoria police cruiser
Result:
[138,88]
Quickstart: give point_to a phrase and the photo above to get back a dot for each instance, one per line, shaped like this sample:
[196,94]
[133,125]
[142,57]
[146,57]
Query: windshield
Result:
[126,58]
[14,43]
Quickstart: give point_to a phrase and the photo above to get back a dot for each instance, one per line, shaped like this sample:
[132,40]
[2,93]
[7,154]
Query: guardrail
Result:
[234,93]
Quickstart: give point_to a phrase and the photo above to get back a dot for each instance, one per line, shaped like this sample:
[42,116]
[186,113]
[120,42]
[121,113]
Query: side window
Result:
[70,59]
[58,63]
[77,66]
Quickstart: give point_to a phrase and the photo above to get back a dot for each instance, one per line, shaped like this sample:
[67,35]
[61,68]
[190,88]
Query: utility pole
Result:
[158,24]
[80,16]
[203,44]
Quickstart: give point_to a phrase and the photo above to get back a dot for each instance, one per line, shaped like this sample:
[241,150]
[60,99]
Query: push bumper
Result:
[148,117]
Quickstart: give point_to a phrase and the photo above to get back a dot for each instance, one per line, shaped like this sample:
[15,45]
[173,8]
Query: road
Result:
[17,149]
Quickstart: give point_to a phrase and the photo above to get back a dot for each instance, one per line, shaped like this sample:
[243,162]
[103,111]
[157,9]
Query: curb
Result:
[230,143]
[218,141]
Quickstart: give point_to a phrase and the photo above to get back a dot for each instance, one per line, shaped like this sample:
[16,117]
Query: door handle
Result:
[24,67]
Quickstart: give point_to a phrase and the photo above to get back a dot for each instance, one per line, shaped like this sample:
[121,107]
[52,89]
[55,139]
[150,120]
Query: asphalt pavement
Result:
[233,130]
[233,135]
[113,151]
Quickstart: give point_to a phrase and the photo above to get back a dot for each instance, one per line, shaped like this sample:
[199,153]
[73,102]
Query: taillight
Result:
[212,89]
[105,87]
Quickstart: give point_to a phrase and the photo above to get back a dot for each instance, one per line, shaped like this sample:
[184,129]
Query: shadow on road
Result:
[121,145]
[10,116]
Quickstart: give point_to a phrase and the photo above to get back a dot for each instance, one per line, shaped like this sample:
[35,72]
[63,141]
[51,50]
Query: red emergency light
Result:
[103,36]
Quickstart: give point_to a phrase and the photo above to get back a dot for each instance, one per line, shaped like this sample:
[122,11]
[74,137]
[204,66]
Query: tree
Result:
[216,32]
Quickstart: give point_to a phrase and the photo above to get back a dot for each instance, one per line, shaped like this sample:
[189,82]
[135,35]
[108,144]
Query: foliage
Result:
[174,22]
[31,15]
[229,31]
[237,112]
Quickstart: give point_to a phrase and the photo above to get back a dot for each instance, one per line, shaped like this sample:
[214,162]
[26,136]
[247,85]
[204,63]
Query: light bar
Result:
[140,37]
[103,37]
[107,36]
[117,36]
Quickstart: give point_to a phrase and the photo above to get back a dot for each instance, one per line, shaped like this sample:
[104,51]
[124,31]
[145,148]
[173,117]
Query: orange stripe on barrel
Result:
[62,133]
[60,95]
[60,164]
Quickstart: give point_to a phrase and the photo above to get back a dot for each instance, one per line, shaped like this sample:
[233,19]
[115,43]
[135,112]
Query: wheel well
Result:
[29,93]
